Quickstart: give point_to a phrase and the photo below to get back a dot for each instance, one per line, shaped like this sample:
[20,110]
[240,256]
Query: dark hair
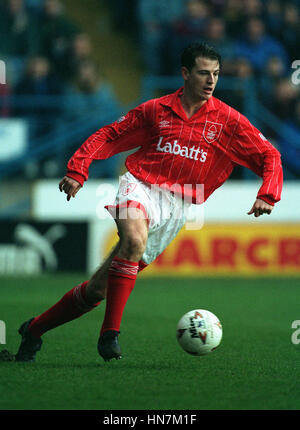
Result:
[197,49]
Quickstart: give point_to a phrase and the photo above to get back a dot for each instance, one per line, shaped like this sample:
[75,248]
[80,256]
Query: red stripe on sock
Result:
[124,268]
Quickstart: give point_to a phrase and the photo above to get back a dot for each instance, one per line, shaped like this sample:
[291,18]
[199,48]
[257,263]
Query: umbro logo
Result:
[164,124]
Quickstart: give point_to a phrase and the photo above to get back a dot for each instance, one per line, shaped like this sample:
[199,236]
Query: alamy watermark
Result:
[163,201]
[296,74]
[2,72]
[2,333]
[295,338]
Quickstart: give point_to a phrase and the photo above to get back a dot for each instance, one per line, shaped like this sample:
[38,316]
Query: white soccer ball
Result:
[199,332]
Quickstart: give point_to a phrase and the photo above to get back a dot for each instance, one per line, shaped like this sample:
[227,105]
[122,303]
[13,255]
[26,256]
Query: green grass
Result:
[255,367]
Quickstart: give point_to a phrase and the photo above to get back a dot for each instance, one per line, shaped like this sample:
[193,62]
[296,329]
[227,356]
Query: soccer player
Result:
[185,138]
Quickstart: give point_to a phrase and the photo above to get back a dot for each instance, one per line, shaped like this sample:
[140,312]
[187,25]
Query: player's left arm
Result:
[251,149]
[260,207]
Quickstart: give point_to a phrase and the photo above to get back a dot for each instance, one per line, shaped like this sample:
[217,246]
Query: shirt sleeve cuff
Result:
[77,177]
[267,199]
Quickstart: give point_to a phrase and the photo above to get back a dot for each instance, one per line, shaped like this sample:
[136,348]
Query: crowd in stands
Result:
[47,54]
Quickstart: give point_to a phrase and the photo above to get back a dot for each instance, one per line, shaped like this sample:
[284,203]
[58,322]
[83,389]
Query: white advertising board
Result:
[231,202]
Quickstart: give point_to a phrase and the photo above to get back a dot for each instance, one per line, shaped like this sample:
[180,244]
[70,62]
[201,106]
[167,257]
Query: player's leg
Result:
[76,302]
[97,285]
[133,231]
[149,246]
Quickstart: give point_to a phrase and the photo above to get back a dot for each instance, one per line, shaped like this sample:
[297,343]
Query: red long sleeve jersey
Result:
[174,149]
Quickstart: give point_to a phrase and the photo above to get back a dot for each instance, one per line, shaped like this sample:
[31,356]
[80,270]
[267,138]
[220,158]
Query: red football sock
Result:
[72,305]
[121,279]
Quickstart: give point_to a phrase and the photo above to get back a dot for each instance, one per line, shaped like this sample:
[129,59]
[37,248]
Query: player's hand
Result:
[260,207]
[69,186]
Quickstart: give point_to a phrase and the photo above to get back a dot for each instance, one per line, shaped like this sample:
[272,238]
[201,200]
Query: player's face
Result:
[202,79]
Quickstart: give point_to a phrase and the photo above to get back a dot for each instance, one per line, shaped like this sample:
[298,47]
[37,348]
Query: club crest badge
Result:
[212,131]
[129,188]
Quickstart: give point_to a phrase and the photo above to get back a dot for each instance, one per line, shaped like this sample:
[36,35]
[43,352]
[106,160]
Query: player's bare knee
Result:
[133,246]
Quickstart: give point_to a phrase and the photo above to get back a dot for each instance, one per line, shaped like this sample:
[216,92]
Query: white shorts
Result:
[164,211]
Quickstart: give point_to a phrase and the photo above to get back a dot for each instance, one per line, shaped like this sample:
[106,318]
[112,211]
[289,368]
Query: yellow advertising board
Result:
[229,250]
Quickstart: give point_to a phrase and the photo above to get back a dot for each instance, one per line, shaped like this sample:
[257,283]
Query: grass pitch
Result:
[256,366]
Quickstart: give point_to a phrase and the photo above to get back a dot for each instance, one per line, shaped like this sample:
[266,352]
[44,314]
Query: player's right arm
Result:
[127,133]
[69,186]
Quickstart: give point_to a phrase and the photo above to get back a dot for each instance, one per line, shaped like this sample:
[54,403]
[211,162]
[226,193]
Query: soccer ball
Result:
[199,332]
